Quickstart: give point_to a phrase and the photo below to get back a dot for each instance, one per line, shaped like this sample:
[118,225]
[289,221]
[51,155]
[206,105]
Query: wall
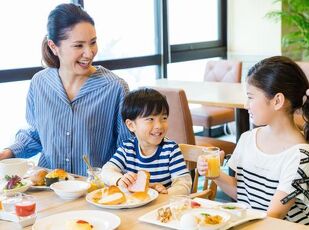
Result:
[252,36]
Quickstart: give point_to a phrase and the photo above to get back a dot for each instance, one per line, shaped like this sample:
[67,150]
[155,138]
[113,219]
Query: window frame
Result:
[166,53]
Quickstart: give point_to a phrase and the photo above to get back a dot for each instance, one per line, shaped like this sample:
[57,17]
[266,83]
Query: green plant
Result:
[295,27]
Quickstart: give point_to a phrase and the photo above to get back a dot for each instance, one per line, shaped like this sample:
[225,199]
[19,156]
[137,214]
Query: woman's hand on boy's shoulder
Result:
[160,188]
[127,179]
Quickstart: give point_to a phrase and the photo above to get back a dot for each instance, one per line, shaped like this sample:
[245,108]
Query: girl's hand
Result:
[159,187]
[202,165]
[127,179]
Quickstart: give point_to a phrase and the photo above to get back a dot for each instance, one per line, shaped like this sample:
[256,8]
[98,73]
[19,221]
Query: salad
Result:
[13,182]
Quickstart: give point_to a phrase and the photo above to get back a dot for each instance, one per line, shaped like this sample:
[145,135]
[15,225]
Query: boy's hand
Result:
[127,179]
[159,187]
[202,165]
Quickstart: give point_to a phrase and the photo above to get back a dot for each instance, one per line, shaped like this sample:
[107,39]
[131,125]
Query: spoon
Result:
[96,179]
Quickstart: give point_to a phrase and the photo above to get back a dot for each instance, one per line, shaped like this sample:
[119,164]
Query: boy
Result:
[145,112]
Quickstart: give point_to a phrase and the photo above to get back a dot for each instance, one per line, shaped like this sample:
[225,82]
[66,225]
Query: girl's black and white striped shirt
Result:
[260,175]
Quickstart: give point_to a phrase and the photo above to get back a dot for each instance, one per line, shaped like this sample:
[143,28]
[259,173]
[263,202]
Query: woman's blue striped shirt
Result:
[64,130]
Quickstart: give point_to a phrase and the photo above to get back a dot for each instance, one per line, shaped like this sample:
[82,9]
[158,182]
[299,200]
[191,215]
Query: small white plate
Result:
[153,194]
[27,184]
[98,219]
[44,187]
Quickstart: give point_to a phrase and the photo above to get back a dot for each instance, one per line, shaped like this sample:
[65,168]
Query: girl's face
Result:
[149,130]
[259,106]
[77,52]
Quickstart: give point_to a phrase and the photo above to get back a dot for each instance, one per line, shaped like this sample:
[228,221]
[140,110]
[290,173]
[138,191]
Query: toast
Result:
[112,196]
[142,182]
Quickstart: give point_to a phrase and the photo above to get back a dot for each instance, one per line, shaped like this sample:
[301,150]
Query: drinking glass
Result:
[212,156]
[95,179]
[26,206]
[8,201]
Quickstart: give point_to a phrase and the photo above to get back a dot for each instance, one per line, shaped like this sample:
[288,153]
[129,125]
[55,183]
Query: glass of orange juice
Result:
[212,156]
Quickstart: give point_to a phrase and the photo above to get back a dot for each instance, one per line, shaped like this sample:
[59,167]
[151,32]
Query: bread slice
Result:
[142,182]
[112,196]
[141,196]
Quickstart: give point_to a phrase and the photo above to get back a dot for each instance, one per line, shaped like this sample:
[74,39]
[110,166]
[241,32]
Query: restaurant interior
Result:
[197,54]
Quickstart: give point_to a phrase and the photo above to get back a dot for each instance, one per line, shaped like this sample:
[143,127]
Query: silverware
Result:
[96,178]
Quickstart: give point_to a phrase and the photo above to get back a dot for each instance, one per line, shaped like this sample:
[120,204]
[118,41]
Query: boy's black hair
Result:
[142,103]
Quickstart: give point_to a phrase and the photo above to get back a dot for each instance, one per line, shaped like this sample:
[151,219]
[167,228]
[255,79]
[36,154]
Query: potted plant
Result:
[295,28]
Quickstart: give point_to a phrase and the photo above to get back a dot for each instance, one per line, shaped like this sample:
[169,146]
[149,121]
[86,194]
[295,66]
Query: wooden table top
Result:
[221,94]
[48,203]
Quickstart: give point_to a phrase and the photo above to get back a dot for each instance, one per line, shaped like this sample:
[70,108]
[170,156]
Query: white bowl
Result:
[70,189]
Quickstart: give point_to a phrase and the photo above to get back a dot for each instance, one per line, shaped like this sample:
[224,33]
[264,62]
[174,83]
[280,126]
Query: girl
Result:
[270,161]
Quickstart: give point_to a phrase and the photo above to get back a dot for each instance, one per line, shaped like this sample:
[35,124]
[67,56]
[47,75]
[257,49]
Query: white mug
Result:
[15,166]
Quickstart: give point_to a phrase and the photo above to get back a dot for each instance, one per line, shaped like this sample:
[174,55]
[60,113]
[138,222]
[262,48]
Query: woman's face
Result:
[77,52]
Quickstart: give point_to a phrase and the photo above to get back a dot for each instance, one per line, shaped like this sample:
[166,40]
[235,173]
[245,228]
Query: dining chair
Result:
[180,122]
[191,154]
[298,118]
[208,116]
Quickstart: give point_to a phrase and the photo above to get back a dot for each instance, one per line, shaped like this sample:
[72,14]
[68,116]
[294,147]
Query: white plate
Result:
[100,220]
[44,187]
[251,214]
[153,194]
[15,190]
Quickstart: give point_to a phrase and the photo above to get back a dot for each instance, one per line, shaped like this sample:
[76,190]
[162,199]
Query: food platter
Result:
[44,187]
[207,206]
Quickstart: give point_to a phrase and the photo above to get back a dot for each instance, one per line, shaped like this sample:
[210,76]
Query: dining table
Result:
[220,94]
[48,203]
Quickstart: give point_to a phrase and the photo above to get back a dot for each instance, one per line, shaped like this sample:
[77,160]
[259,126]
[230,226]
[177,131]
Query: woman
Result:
[73,107]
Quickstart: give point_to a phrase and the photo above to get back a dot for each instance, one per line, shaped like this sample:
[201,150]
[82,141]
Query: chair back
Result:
[305,67]
[223,70]
[191,154]
[180,122]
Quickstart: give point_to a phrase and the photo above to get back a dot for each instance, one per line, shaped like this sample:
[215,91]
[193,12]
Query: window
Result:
[123,29]
[23,29]
[188,27]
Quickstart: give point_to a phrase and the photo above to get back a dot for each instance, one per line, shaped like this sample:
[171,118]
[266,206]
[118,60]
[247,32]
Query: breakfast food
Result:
[164,215]
[140,196]
[110,196]
[142,182]
[195,204]
[38,178]
[78,225]
[13,182]
[55,175]
[199,221]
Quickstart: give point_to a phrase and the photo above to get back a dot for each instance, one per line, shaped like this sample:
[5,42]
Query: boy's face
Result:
[149,130]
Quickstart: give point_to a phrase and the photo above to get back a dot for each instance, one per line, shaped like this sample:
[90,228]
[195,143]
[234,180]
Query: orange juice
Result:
[213,166]
[212,156]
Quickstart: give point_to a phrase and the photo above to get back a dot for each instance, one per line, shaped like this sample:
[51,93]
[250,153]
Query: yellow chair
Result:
[191,154]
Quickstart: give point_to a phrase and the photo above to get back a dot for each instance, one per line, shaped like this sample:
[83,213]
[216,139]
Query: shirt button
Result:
[67,133]
[67,159]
